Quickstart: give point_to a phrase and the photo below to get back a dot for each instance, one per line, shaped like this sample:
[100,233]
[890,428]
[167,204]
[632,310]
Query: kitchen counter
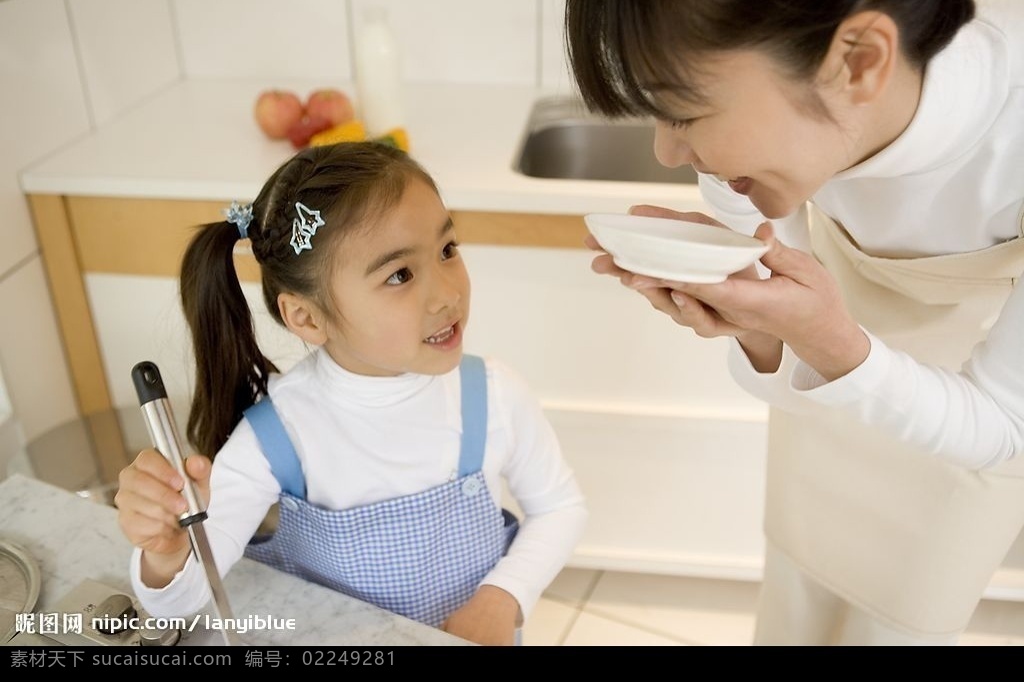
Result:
[87,544]
[198,140]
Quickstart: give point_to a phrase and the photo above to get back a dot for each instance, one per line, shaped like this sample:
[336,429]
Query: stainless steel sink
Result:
[563,140]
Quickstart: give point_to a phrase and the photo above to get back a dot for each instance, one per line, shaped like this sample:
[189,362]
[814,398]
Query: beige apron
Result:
[902,535]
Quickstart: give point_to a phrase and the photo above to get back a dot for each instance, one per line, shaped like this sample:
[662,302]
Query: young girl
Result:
[886,138]
[387,447]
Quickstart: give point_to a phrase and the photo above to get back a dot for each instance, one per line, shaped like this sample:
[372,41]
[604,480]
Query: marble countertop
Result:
[75,539]
[197,139]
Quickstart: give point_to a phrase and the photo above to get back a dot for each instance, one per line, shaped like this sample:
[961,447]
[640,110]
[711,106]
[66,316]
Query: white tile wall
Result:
[43,108]
[127,50]
[264,39]
[451,41]
[10,430]
[31,355]
[18,238]
[5,399]
[555,77]
[463,41]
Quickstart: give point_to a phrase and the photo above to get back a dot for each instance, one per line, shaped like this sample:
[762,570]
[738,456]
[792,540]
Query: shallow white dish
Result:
[671,249]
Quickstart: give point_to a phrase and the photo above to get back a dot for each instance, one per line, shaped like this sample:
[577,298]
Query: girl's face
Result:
[757,130]
[401,291]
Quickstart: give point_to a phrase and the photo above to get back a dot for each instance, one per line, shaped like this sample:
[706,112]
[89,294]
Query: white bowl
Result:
[671,249]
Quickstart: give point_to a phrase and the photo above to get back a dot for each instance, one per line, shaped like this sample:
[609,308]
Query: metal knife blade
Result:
[163,431]
[204,555]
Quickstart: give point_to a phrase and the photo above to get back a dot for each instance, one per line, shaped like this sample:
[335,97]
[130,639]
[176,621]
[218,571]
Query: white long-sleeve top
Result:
[365,439]
[953,182]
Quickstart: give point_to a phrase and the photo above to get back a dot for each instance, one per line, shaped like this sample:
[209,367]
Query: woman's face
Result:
[401,291]
[758,130]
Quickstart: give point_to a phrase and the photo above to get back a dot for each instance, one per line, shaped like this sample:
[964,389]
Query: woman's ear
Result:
[862,58]
[302,318]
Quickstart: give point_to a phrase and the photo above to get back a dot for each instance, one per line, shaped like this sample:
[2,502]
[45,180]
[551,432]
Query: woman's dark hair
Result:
[348,183]
[620,49]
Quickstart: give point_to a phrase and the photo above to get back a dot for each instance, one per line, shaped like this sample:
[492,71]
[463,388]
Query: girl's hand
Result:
[488,618]
[149,503]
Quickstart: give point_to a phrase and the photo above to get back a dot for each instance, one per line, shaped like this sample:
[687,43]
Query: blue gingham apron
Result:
[421,555]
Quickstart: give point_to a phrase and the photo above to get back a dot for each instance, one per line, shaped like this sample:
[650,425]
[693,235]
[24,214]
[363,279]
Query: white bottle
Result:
[378,74]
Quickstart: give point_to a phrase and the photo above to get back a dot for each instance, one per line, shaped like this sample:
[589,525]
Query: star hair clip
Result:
[304,227]
[239,216]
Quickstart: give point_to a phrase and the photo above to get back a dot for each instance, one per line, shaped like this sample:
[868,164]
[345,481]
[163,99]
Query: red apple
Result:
[305,128]
[332,104]
[276,111]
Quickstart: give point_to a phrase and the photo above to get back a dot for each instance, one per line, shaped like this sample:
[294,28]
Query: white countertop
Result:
[74,539]
[197,139]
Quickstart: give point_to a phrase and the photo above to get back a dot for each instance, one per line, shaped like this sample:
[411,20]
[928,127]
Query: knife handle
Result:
[163,431]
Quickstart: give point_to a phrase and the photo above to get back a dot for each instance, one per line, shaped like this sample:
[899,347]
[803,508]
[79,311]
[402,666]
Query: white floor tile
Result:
[593,630]
[572,586]
[698,611]
[973,639]
[996,623]
[595,608]
[549,623]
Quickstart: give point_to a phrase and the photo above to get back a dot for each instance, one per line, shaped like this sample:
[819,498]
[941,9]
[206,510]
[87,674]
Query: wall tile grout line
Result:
[18,265]
[80,65]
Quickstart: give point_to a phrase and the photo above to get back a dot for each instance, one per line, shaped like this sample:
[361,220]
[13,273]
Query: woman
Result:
[883,141]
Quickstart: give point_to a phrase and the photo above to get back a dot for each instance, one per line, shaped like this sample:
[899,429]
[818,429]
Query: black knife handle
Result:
[149,385]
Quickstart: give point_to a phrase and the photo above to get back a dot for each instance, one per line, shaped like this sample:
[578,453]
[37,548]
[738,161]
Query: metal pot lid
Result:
[19,586]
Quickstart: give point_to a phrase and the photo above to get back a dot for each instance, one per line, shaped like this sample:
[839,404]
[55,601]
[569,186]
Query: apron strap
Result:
[473,378]
[277,447]
[284,462]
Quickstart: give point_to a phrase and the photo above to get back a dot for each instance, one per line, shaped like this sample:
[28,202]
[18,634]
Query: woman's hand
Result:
[800,304]
[149,503]
[764,350]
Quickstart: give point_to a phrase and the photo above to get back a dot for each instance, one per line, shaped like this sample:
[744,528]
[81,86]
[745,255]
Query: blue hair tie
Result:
[239,216]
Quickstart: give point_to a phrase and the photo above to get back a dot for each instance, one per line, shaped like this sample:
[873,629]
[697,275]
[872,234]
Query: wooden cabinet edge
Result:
[520,229]
[64,274]
[148,236]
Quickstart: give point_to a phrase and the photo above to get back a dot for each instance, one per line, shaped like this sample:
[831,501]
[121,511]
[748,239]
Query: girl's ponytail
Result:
[231,371]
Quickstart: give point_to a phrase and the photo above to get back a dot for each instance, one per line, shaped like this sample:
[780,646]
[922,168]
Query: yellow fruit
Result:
[353,131]
[396,137]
